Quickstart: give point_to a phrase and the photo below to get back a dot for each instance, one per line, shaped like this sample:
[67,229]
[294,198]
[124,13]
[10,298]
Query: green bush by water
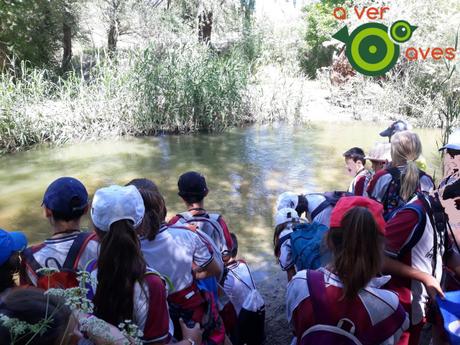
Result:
[169,88]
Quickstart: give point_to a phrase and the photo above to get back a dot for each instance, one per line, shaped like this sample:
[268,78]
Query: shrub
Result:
[320,25]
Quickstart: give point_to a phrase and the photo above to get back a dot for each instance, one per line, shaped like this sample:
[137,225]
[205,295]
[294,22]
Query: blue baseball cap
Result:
[66,195]
[11,242]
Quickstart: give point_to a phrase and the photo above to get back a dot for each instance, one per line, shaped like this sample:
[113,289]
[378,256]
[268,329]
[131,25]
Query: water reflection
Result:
[245,168]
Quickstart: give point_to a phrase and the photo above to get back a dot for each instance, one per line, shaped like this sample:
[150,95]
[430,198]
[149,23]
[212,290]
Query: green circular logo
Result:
[401,31]
[370,50]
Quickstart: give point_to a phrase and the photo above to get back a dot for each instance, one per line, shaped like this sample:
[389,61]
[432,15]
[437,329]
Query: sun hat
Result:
[380,152]
[11,242]
[285,215]
[287,200]
[114,203]
[396,126]
[347,203]
[454,141]
[192,183]
[66,195]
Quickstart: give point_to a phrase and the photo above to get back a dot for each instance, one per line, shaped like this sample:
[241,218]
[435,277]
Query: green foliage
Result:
[29,30]
[321,25]
[190,88]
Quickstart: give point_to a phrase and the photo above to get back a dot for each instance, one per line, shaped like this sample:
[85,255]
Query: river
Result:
[246,168]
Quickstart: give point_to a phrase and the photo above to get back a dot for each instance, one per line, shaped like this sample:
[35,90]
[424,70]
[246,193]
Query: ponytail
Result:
[120,266]
[357,248]
[155,207]
[406,148]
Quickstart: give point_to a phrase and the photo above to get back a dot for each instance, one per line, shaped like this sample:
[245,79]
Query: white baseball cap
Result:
[114,203]
[287,200]
[286,215]
[454,141]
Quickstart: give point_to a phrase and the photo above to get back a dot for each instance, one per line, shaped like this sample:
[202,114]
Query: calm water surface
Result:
[245,169]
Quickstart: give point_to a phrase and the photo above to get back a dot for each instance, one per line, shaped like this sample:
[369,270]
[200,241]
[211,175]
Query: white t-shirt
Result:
[285,258]
[173,252]
[314,200]
[54,253]
[238,284]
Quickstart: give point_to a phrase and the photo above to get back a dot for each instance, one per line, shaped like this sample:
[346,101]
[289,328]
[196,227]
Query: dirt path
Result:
[271,283]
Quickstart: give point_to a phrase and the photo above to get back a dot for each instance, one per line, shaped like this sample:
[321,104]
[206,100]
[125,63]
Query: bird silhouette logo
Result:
[373,49]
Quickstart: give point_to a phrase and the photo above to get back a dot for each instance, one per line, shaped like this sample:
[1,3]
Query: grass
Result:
[163,88]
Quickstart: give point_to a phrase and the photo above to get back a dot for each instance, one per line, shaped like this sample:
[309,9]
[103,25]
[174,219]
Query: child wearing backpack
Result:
[395,185]
[193,189]
[417,237]
[11,244]
[344,303]
[180,255]
[247,301]
[68,249]
[298,245]
[126,289]
[355,164]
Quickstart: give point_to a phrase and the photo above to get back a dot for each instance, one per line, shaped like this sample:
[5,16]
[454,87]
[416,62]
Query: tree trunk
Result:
[205,27]
[113,36]
[67,44]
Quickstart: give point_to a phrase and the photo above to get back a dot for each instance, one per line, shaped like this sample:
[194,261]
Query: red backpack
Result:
[67,275]
[326,332]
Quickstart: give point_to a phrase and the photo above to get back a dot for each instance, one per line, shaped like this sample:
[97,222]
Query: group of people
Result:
[177,281]
[382,250]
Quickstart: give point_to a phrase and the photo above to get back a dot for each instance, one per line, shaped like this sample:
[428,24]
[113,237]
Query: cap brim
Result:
[386,133]
[450,146]
[19,241]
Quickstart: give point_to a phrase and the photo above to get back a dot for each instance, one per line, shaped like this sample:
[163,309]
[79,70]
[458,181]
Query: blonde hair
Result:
[406,148]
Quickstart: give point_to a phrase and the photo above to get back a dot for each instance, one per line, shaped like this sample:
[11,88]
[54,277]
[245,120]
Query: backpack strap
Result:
[241,280]
[76,250]
[320,208]
[418,231]
[395,181]
[30,261]
[284,239]
[385,328]
[318,297]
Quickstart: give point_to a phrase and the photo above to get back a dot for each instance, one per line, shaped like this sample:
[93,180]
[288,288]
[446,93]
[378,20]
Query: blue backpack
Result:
[307,245]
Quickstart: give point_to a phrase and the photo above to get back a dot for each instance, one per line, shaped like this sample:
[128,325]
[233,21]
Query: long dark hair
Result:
[120,266]
[7,271]
[357,247]
[31,305]
[155,207]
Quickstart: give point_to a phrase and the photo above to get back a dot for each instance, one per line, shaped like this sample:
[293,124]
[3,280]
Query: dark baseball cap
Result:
[66,195]
[396,126]
[192,183]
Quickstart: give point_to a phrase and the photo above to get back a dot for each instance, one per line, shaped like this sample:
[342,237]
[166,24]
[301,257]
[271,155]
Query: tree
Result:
[29,31]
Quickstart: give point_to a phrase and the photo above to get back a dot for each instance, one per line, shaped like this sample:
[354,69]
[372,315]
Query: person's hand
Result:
[194,333]
[432,286]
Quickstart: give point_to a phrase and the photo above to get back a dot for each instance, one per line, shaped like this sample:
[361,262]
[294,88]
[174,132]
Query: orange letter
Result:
[340,13]
[358,13]
[372,13]
[413,56]
[383,10]
[437,53]
[450,53]
[424,53]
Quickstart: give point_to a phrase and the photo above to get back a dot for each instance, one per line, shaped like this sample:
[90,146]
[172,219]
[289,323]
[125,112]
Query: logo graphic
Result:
[369,48]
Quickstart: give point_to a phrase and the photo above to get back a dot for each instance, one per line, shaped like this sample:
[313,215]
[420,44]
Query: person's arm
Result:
[397,268]
[210,270]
